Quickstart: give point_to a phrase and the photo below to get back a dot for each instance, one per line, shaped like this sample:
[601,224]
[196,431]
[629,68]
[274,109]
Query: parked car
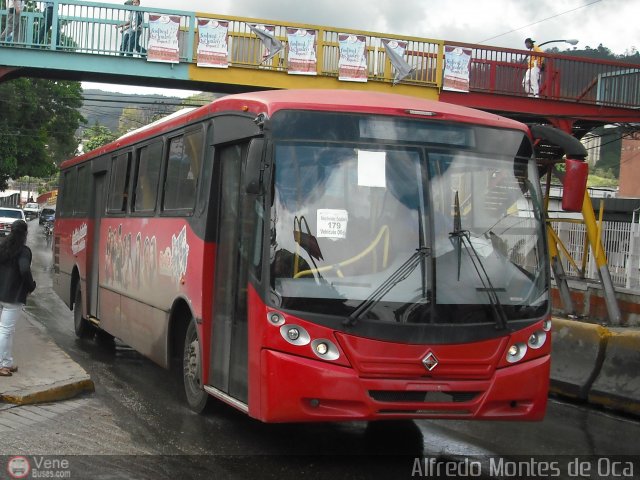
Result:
[7,217]
[47,215]
[31,210]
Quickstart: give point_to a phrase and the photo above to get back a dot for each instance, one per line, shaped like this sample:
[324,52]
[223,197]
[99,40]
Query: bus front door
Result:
[94,268]
[235,243]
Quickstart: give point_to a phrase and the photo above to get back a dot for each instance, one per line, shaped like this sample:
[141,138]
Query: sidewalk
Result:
[45,373]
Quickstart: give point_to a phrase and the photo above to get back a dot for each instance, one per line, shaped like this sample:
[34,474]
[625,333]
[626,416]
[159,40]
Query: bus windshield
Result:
[394,224]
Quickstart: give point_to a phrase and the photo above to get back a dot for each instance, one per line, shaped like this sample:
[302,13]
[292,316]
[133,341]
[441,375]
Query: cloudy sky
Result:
[504,23]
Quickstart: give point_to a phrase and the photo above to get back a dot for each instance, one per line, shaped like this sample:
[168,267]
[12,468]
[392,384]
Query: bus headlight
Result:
[275,318]
[295,334]
[325,349]
[516,352]
[546,325]
[537,339]
[322,348]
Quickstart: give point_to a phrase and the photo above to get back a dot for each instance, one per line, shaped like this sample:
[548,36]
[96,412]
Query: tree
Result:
[39,118]
[631,55]
[133,118]
[201,98]
[96,136]
[137,116]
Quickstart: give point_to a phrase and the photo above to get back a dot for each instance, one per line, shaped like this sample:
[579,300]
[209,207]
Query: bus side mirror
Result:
[574,185]
[254,169]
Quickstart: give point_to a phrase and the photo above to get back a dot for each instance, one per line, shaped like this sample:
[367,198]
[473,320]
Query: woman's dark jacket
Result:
[15,278]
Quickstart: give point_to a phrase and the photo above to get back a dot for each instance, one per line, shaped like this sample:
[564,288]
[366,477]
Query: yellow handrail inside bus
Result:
[383,233]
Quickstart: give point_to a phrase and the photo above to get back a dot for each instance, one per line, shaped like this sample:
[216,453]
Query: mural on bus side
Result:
[173,261]
[127,265]
[131,264]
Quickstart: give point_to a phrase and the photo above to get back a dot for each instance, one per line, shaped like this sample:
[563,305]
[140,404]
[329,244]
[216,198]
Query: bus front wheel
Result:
[82,327]
[197,398]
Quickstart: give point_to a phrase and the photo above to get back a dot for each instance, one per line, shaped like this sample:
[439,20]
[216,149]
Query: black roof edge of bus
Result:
[571,145]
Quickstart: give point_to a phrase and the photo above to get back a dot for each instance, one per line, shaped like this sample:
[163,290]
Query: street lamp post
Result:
[571,41]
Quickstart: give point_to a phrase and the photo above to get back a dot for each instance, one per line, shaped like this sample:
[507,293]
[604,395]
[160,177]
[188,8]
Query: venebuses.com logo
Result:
[18,467]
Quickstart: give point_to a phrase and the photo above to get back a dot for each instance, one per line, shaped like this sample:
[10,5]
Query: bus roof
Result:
[271,101]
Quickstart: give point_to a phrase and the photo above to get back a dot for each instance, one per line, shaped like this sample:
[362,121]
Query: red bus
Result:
[319,256]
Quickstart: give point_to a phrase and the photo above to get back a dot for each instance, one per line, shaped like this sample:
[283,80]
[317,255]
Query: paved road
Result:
[138,419]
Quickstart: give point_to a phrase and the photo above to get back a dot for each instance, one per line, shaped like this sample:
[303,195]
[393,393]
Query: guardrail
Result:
[90,28]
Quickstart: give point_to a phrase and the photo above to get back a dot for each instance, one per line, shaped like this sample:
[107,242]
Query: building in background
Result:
[630,166]
[592,142]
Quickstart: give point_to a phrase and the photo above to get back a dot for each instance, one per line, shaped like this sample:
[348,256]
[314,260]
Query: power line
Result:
[540,21]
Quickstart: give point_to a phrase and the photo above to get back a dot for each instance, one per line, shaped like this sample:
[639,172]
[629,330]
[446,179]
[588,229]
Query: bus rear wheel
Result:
[197,398]
[82,327]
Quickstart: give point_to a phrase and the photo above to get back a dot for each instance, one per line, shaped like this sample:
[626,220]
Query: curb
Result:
[53,393]
[596,364]
[618,384]
[577,353]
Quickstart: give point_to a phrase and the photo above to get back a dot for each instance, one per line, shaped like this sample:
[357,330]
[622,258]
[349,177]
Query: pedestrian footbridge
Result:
[82,40]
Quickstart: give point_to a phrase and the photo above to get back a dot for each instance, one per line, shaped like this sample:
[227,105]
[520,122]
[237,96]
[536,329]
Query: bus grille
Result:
[392,396]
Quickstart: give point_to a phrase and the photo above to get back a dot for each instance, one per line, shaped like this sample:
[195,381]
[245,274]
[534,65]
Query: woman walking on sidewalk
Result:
[16,282]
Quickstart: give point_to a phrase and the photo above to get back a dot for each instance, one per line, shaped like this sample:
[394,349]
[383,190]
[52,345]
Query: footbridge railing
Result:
[90,28]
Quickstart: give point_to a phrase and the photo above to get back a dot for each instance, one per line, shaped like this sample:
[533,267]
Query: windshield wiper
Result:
[463,237]
[402,272]
[458,234]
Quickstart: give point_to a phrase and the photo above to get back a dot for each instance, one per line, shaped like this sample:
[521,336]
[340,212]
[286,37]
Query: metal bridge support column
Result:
[558,274]
[555,260]
[601,260]
[564,124]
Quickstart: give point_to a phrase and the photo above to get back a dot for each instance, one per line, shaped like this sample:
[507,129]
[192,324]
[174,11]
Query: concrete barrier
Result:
[577,353]
[617,385]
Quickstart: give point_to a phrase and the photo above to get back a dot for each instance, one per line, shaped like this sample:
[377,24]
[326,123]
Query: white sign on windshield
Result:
[332,223]
[371,169]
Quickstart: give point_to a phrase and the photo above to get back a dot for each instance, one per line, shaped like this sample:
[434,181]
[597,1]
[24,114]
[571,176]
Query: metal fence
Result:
[91,28]
[500,71]
[621,243]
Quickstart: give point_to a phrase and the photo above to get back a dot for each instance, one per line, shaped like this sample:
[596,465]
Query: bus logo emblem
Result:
[430,361]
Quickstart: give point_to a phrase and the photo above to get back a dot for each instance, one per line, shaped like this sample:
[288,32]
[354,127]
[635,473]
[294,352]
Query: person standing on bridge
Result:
[16,282]
[12,33]
[45,23]
[531,81]
[131,36]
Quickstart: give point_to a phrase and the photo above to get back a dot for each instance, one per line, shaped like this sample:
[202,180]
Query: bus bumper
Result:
[301,389]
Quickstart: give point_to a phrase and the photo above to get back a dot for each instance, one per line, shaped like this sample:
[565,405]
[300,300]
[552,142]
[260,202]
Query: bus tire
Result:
[81,325]
[197,398]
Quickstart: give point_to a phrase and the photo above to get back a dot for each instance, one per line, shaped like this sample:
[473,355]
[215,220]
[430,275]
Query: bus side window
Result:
[119,184]
[148,162]
[183,170]
[82,192]
[69,182]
